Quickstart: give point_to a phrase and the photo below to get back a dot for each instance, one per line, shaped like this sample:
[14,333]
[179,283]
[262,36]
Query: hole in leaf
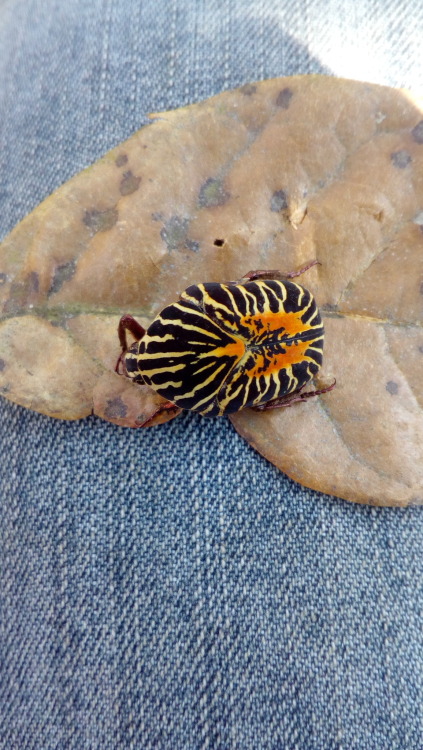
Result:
[219,243]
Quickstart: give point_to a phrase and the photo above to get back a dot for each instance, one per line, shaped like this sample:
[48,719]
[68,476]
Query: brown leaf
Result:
[271,175]
[118,400]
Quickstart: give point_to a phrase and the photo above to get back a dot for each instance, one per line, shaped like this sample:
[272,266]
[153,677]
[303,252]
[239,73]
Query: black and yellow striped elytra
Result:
[224,347]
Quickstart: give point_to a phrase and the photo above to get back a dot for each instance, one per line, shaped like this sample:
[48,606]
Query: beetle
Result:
[223,347]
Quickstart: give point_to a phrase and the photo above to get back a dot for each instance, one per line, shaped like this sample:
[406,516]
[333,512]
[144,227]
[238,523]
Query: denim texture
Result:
[169,588]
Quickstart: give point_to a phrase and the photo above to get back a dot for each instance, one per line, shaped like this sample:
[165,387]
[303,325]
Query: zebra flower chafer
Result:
[224,347]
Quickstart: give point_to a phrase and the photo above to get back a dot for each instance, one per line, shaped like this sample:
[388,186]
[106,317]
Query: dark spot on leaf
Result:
[129,183]
[116,408]
[219,243]
[2,365]
[248,89]
[121,160]
[174,233]
[32,282]
[192,245]
[401,159]
[100,221]
[3,279]
[62,274]
[392,387]
[279,201]
[284,98]
[417,132]
[212,193]
[5,389]
[421,288]
[421,348]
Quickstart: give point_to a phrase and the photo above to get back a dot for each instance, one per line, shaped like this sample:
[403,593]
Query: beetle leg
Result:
[127,323]
[119,363]
[293,398]
[275,275]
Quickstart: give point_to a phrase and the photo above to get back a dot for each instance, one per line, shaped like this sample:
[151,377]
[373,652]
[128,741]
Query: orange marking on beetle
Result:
[270,363]
[270,321]
[234,349]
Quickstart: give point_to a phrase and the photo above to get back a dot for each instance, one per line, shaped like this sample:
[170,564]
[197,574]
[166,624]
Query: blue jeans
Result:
[169,588]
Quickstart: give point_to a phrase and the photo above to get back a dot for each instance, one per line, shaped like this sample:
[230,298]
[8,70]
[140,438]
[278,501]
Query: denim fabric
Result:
[169,588]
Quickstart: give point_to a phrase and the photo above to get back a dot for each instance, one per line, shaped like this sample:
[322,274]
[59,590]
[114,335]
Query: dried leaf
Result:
[271,175]
[116,400]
